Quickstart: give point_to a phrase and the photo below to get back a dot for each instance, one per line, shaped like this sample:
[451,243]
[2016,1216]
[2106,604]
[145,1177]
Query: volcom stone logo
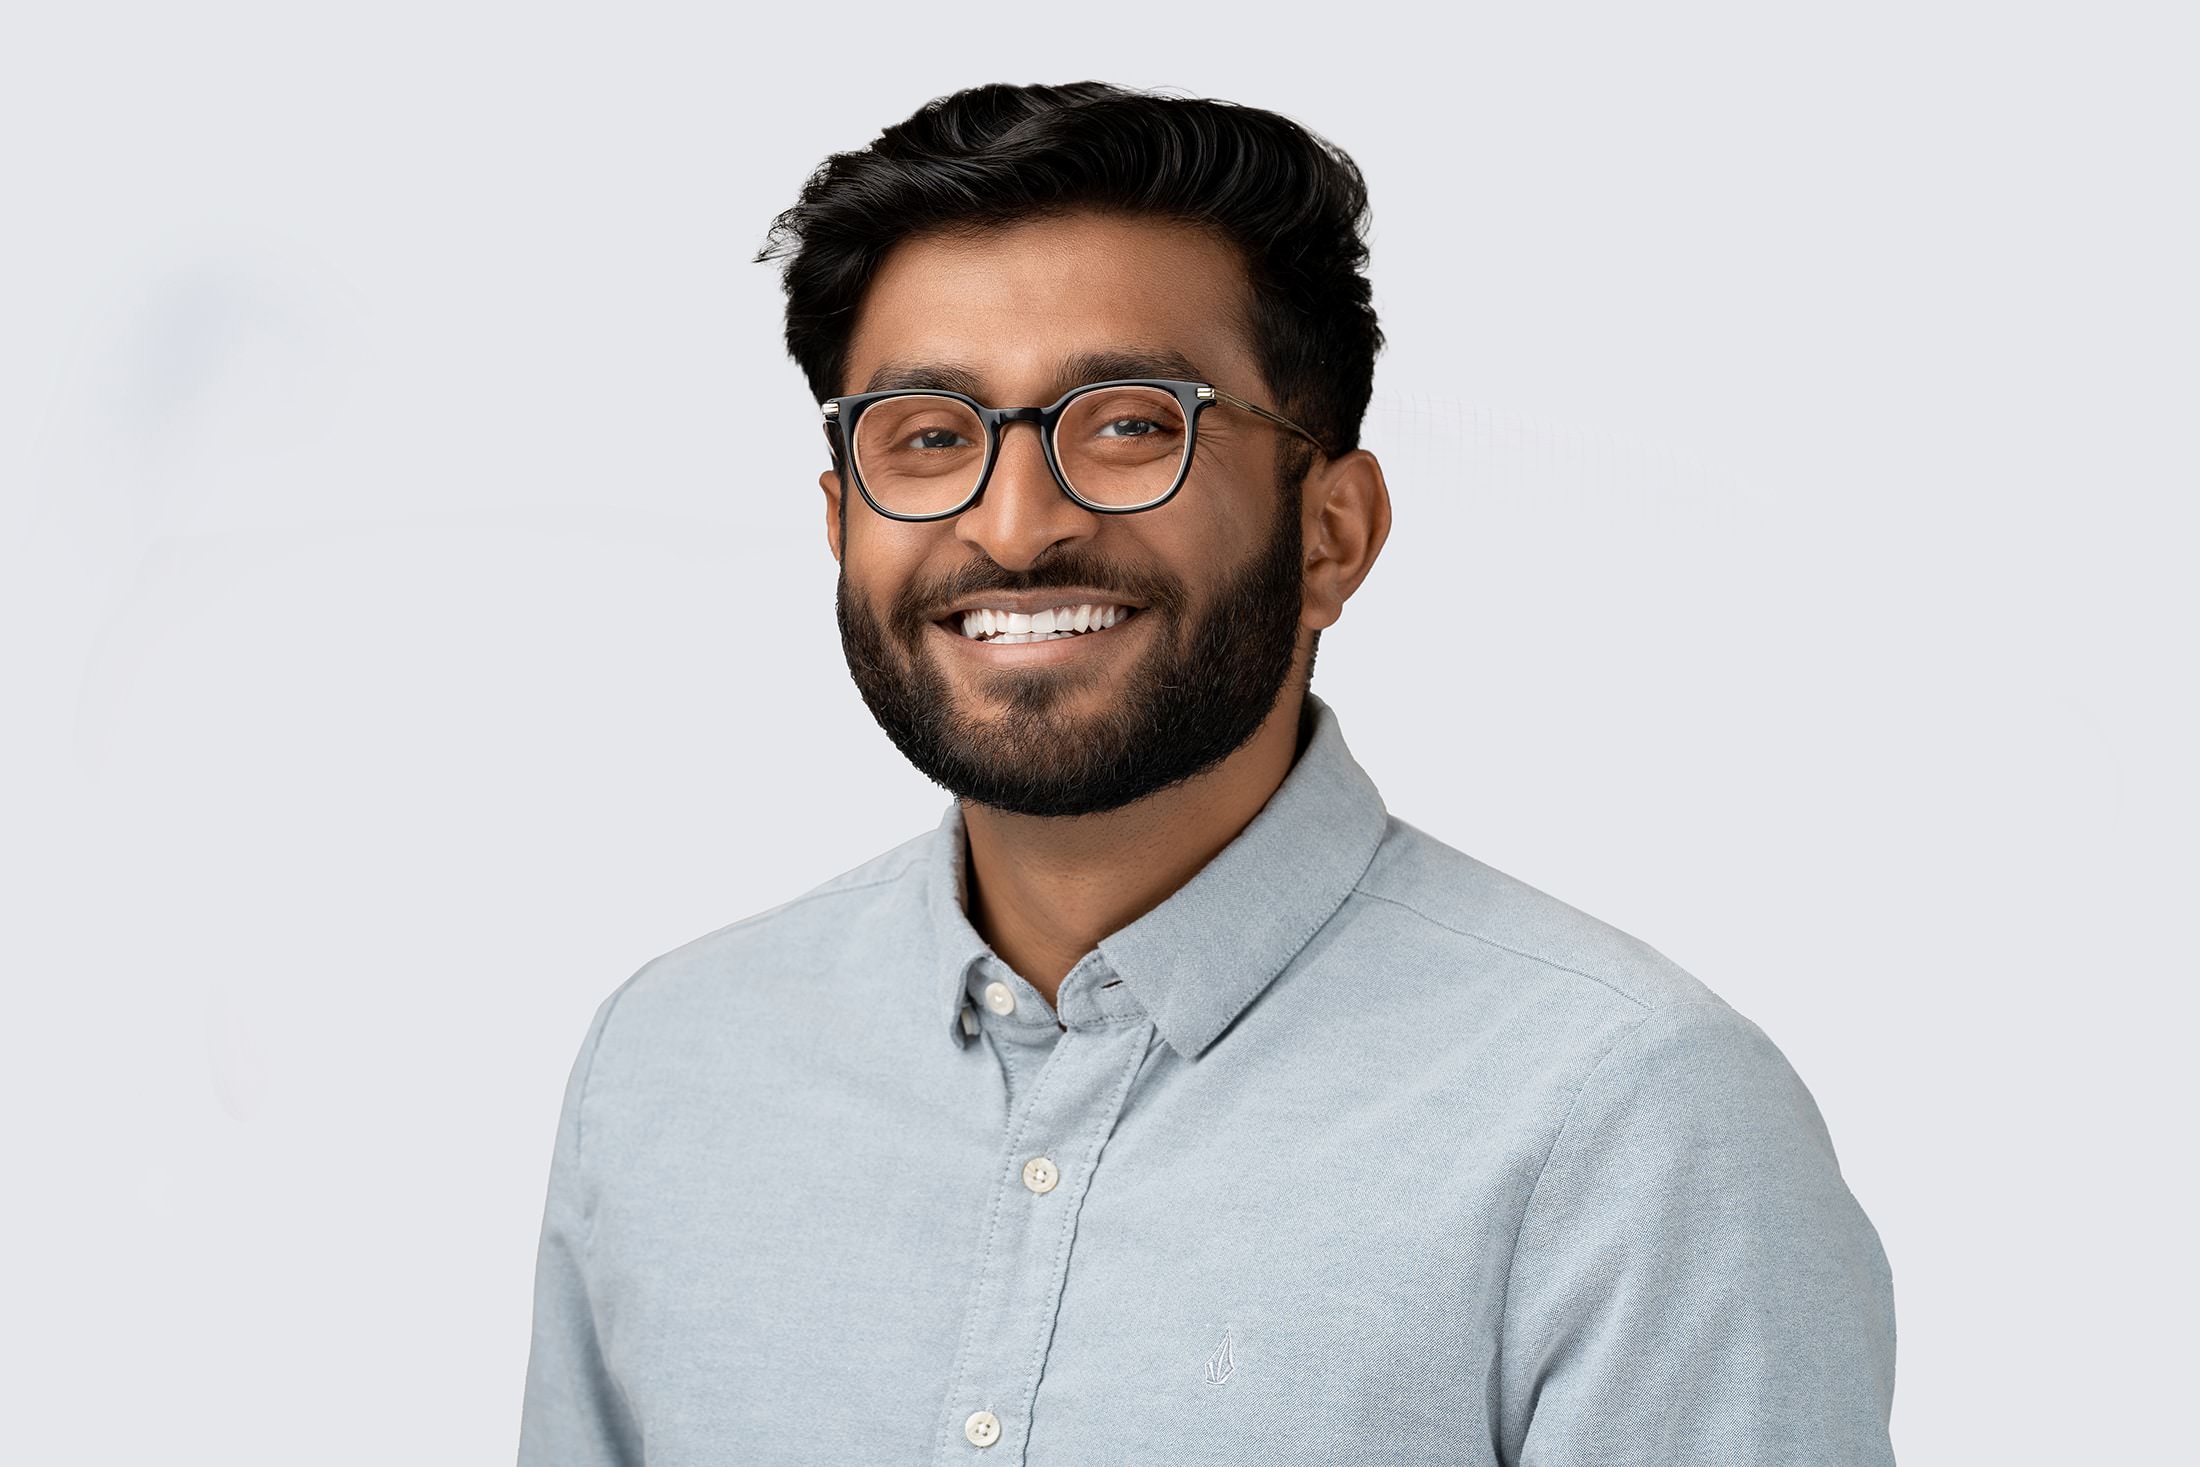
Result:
[1220,1367]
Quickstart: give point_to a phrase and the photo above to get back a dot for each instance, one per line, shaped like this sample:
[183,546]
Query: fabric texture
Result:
[1354,1149]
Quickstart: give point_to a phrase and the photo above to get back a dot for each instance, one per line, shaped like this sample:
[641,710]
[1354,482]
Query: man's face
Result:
[1089,722]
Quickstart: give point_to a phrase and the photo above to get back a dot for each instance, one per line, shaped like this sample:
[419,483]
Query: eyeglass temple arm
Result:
[1278,418]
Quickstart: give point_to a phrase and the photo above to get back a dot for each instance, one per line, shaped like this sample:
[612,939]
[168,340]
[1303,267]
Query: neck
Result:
[1043,892]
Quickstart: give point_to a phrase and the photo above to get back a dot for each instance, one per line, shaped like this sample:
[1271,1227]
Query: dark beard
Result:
[1198,695]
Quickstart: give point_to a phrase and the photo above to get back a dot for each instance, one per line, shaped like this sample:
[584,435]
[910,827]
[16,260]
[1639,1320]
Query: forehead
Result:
[1008,306]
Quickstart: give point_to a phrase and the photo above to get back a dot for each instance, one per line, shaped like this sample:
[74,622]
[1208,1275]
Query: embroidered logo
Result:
[1220,1366]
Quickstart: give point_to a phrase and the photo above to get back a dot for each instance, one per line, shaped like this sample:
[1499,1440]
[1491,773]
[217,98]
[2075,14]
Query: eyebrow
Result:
[1072,371]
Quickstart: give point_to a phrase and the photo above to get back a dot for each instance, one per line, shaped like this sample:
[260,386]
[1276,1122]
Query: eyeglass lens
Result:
[1118,446]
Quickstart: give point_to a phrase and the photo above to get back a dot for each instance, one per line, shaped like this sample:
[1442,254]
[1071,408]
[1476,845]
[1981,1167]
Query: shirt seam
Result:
[810,896]
[580,1104]
[1604,983]
[1520,1228]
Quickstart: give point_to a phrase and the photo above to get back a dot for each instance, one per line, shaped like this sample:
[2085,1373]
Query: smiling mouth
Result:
[1057,624]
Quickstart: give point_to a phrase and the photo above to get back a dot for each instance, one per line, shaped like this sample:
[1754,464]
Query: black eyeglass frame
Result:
[1194,398]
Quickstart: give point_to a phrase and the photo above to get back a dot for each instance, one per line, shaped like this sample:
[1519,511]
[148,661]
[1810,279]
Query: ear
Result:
[829,481]
[1346,520]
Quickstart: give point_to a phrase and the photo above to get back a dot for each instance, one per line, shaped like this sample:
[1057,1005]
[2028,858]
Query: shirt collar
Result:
[1195,961]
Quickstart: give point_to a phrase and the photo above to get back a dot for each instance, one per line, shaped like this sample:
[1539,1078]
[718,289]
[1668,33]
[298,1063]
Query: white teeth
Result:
[985,624]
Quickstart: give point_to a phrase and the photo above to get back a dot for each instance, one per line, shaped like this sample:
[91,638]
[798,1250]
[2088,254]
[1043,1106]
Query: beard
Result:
[1208,679]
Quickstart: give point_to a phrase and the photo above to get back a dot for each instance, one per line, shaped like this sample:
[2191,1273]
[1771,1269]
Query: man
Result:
[1171,1102]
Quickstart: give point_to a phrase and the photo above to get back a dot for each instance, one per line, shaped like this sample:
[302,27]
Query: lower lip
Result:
[1026,654]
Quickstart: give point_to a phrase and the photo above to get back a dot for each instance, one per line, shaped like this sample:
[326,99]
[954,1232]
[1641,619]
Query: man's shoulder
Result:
[1538,984]
[1496,920]
[739,960]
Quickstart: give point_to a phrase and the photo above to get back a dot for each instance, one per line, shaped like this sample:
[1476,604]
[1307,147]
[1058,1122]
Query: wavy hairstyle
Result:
[1294,204]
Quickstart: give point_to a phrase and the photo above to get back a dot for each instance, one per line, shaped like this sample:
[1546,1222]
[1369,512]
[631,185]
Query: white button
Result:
[983,1428]
[1040,1175]
[969,1020]
[999,999]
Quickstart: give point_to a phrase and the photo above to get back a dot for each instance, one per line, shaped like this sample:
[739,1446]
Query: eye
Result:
[1128,428]
[937,438]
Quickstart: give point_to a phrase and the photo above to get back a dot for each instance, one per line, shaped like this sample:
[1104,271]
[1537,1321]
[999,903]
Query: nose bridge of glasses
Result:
[1041,452]
[1005,418]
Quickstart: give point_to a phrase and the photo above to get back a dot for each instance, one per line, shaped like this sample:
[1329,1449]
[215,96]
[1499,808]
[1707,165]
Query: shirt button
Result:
[999,999]
[1040,1175]
[983,1428]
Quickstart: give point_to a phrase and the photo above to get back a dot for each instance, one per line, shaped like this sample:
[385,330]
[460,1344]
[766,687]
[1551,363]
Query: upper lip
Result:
[1027,602]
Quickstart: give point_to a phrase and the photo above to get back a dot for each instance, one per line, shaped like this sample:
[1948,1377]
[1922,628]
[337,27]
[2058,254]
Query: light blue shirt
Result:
[1353,1150]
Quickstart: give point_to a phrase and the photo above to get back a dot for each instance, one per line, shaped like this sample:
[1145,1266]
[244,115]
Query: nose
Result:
[1023,512]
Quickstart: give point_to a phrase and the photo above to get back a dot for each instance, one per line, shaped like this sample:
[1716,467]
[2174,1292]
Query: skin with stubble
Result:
[1097,773]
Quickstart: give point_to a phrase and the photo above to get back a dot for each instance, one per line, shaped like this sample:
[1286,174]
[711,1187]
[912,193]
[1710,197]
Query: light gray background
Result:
[416,614]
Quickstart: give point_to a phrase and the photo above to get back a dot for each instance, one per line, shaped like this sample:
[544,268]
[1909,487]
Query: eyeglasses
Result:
[1115,447]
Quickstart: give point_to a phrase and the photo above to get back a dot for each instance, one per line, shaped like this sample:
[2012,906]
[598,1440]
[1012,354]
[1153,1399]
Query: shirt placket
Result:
[1053,1146]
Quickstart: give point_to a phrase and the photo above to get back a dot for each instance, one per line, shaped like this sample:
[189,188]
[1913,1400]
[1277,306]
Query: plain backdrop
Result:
[416,615]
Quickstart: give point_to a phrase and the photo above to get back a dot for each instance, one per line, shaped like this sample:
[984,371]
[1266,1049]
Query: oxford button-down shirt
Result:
[1353,1150]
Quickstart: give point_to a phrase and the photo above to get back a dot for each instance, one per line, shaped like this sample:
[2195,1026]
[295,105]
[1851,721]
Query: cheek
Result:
[1232,487]
[1203,530]
[885,562]
[885,552]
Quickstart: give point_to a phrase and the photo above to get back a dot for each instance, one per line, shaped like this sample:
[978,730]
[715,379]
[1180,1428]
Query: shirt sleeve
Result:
[574,1413]
[1693,1281]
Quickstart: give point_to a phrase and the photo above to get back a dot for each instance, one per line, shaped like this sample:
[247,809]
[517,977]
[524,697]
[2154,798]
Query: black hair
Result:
[1294,204]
